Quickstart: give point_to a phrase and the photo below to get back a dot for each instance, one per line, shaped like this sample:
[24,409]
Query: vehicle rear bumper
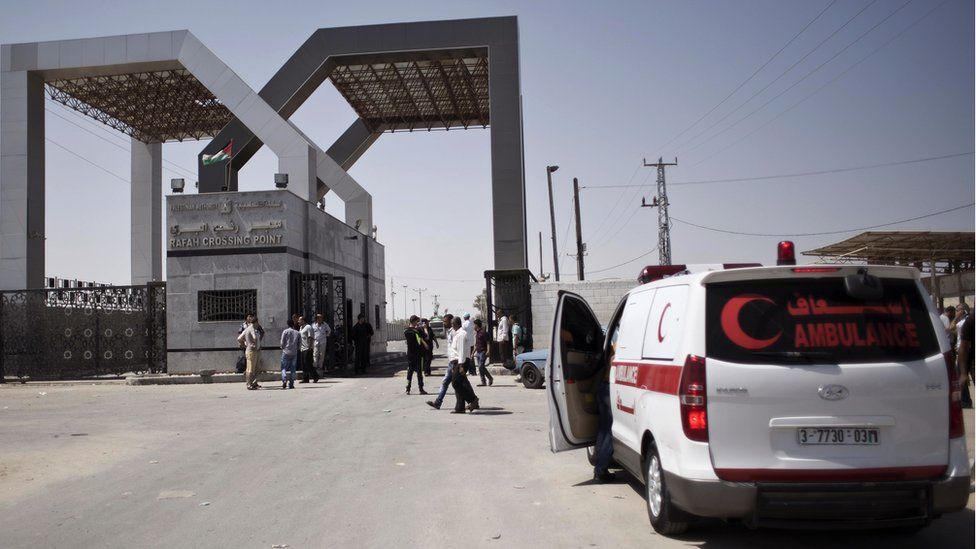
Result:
[950,494]
[844,505]
[711,498]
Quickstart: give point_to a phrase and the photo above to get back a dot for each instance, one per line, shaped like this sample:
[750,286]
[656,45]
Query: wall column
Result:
[147,212]
[21,180]
[507,170]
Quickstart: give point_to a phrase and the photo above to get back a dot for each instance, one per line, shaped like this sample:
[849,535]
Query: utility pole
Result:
[420,295]
[552,220]
[414,299]
[663,221]
[392,299]
[541,270]
[405,313]
[580,247]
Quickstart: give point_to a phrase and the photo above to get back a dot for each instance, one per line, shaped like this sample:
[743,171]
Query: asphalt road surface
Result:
[341,463]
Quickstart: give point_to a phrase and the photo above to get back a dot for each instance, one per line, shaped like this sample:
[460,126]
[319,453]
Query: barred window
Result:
[221,305]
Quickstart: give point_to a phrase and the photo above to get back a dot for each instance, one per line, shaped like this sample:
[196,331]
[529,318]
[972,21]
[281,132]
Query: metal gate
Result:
[70,333]
[315,293]
[508,291]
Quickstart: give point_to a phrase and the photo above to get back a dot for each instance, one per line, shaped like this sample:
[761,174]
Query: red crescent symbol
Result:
[660,337]
[733,330]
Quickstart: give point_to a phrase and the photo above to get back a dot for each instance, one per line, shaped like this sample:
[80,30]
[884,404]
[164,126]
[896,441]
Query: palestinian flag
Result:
[226,154]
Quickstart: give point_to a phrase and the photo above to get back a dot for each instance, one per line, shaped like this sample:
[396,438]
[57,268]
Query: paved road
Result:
[348,463]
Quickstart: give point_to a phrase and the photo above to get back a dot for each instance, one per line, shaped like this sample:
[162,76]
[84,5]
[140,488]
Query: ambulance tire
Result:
[659,508]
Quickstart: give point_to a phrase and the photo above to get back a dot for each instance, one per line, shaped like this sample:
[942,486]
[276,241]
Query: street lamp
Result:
[552,220]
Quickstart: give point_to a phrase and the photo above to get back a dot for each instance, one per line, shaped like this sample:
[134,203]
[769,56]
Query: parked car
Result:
[816,396]
[530,366]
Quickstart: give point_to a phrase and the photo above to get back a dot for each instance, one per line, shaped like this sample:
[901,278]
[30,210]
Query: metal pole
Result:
[405,313]
[420,295]
[541,269]
[579,232]
[552,221]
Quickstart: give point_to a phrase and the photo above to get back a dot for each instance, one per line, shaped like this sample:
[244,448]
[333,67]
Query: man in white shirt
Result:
[321,331]
[449,373]
[307,334]
[251,339]
[468,328]
[457,351]
[501,336]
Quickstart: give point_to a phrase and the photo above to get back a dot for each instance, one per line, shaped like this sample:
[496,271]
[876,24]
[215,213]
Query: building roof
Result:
[154,106]
[416,90]
[918,248]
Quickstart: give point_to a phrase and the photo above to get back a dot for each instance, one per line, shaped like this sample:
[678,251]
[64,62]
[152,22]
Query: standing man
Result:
[518,338]
[481,351]
[306,359]
[458,349]
[290,342]
[362,335]
[250,338]
[322,331]
[431,338]
[965,360]
[501,336]
[468,328]
[415,353]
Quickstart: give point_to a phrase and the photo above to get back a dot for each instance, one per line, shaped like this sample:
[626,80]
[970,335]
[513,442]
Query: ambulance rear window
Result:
[814,320]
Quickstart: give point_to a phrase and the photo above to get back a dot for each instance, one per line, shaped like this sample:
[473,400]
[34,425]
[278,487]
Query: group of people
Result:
[302,344]
[467,354]
[959,325]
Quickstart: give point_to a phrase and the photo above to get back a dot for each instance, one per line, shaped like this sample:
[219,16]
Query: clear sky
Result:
[605,84]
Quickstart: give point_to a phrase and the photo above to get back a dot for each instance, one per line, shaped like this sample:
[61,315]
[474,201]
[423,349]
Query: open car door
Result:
[576,364]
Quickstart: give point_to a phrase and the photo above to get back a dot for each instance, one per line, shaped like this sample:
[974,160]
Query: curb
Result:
[211,377]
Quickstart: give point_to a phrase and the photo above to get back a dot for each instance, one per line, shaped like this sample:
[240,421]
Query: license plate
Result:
[838,436]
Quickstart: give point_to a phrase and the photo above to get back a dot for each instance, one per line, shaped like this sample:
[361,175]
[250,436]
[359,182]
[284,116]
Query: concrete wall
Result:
[603,297]
[307,240]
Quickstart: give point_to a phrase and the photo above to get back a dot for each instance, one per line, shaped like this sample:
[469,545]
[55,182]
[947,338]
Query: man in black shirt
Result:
[362,334]
[416,350]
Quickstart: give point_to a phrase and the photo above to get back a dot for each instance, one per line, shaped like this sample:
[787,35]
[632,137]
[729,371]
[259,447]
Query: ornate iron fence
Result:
[315,293]
[66,333]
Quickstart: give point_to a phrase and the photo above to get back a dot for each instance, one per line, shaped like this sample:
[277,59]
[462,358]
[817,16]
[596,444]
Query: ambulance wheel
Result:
[659,508]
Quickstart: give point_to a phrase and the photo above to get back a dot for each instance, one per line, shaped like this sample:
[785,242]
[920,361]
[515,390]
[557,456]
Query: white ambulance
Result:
[788,396]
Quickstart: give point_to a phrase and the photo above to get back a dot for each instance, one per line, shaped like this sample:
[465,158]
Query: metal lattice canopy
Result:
[949,251]
[392,94]
[159,106]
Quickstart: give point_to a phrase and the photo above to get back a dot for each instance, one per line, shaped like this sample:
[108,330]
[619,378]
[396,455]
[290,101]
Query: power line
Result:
[648,252]
[100,167]
[636,209]
[176,167]
[933,214]
[804,77]
[751,76]
[798,174]
[609,215]
[781,75]
[569,224]
[829,82]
